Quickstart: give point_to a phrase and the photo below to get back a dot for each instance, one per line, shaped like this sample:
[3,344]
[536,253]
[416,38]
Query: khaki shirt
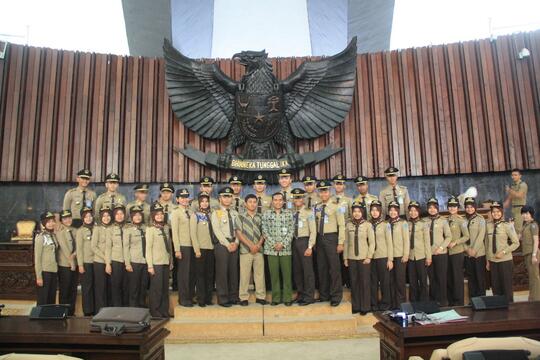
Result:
[306,225]
[180,227]
[422,248]
[288,198]
[383,240]
[99,242]
[311,200]
[146,211]
[168,208]
[365,241]
[214,204]
[238,204]
[402,198]
[66,243]
[266,203]
[132,244]
[506,240]
[73,200]
[520,187]
[85,254]
[114,244]
[220,225]
[45,247]
[345,203]
[158,246]
[400,238]
[334,220]
[107,199]
[476,226]
[441,235]
[530,230]
[460,234]
[199,229]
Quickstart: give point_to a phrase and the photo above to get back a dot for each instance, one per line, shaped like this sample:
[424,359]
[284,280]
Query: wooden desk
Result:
[73,337]
[520,319]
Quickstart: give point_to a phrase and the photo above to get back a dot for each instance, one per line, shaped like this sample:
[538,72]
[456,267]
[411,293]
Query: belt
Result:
[301,238]
[325,234]
[517,206]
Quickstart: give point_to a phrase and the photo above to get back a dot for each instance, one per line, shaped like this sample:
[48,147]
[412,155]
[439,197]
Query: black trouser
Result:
[456,296]
[476,275]
[303,274]
[501,278]
[87,290]
[360,290]
[102,286]
[227,280]
[119,284]
[330,286]
[138,284]
[418,285]
[158,298]
[345,278]
[46,294]
[397,283]
[437,279]
[204,267]
[67,287]
[380,278]
[186,275]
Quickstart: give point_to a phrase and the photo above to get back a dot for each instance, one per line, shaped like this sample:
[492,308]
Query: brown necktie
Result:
[259,205]
[356,239]
[494,238]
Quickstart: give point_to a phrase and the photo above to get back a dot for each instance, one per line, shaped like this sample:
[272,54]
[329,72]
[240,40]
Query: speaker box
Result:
[489,302]
[428,307]
[46,312]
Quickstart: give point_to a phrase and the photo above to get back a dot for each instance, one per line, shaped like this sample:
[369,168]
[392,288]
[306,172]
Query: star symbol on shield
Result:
[259,118]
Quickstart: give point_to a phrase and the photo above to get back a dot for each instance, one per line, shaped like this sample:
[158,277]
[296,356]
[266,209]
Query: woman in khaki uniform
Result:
[67,262]
[456,254]
[134,246]
[358,251]
[201,237]
[114,257]
[159,258]
[501,240]
[102,280]
[475,248]
[400,241]
[419,255]
[383,259]
[529,243]
[45,247]
[85,260]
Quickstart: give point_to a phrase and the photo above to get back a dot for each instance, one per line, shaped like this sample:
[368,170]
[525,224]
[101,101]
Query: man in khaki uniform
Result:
[456,254]
[383,259]
[183,248]
[419,255]
[285,182]
[166,193]
[264,201]
[331,234]
[475,249]
[516,198]
[304,239]
[501,241]
[206,184]
[77,198]
[341,198]
[111,197]
[529,243]
[400,240]
[141,193]
[364,196]
[236,185]
[311,196]
[226,251]
[394,192]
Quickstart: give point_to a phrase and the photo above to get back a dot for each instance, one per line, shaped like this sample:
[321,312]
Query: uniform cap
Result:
[391,171]
[141,187]
[323,184]
[259,179]
[84,173]
[309,179]
[166,187]
[112,177]
[65,214]
[360,180]
[183,193]
[226,191]
[206,180]
[298,193]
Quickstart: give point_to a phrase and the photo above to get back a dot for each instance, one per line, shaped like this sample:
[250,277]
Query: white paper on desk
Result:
[442,317]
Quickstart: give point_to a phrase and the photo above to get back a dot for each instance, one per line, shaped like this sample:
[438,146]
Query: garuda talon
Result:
[261,112]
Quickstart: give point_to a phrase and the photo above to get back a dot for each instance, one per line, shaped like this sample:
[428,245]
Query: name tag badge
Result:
[89,203]
[289,205]
[326,220]
[400,200]
[300,224]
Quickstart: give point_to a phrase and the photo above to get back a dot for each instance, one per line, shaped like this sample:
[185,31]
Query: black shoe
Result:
[261,301]
[274,303]
[288,303]
[363,313]
[356,311]
[305,303]
[209,303]
[334,303]
[244,303]
[299,302]
[187,305]
[322,300]
[227,305]
[235,302]
[202,305]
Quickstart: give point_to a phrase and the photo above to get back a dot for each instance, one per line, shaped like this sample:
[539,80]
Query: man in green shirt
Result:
[278,231]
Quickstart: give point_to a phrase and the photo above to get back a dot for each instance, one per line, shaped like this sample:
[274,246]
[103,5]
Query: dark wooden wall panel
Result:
[448,109]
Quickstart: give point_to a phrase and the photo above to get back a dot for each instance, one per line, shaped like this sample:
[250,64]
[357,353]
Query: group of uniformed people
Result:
[308,238]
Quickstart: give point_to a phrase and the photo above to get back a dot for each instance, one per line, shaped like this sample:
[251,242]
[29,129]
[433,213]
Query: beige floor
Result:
[358,349]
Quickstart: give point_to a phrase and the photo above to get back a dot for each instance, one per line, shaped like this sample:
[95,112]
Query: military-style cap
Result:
[141,187]
[375,203]
[84,174]
[309,179]
[112,177]
[206,180]
[226,191]
[65,214]
[235,180]
[339,178]
[391,171]
[119,207]
[135,209]
[183,193]
[453,201]
[298,193]
[433,201]
[46,215]
[359,205]
[360,180]
[166,187]
[259,179]
[496,204]
[85,210]
[284,172]
[203,194]
[105,208]
[323,184]
[470,201]
[414,204]
[393,204]
[156,206]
